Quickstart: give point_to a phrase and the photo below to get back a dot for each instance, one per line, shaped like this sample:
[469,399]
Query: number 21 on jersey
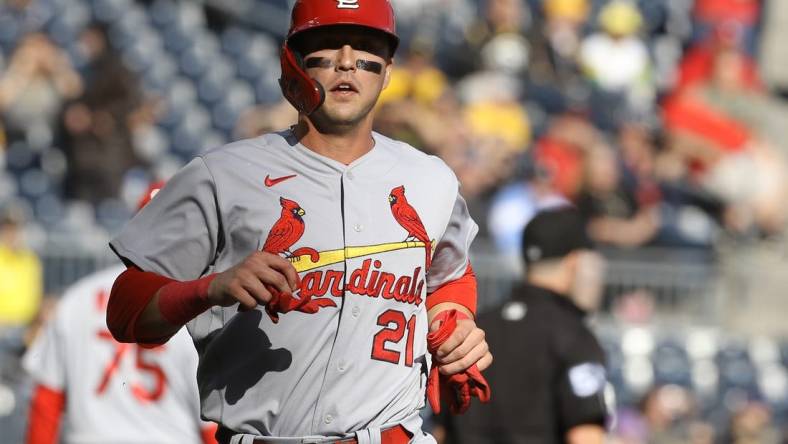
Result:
[394,329]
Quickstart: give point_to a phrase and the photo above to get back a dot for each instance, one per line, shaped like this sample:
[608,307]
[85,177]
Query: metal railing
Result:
[680,282]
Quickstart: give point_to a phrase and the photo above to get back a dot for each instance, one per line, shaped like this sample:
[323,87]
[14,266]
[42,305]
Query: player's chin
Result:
[344,116]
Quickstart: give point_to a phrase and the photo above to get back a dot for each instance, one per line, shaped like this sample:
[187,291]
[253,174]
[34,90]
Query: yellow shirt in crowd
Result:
[20,286]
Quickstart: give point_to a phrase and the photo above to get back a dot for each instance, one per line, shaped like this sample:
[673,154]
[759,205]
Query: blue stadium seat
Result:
[671,364]
[261,54]
[112,214]
[194,61]
[161,74]
[239,96]
[738,373]
[163,13]
[10,32]
[34,183]
[212,86]
[176,40]
[108,11]
[8,188]
[49,210]
[267,90]
[235,40]
[19,157]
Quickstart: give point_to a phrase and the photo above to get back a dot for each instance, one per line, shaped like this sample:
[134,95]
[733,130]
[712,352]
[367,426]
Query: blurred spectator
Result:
[669,411]
[561,149]
[265,119]
[96,127]
[498,17]
[729,90]
[514,205]
[554,79]
[39,78]
[773,58]
[708,14]
[617,61]
[21,284]
[752,424]
[615,215]
[723,132]
[416,78]
[698,63]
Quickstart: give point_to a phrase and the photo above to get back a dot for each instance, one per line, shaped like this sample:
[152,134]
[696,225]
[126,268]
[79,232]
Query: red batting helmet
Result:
[149,193]
[303,92]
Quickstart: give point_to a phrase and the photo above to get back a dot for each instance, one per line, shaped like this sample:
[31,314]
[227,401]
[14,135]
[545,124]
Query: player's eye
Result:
[325,62]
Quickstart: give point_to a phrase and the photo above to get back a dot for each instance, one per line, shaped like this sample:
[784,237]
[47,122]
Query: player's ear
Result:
[387,72]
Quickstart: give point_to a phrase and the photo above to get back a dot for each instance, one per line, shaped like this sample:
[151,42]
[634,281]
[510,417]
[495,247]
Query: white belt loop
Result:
[369,436]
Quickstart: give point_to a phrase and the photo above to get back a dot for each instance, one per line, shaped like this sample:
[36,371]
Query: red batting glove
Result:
[460,387]
[281,303]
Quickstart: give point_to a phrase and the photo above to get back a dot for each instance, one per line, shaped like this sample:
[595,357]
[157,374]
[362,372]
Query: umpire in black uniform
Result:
[548,380]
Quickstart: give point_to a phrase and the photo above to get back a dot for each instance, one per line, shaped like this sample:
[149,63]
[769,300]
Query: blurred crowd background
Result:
[664,121]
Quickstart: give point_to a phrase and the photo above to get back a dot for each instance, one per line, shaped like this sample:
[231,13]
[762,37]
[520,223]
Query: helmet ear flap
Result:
[302,91]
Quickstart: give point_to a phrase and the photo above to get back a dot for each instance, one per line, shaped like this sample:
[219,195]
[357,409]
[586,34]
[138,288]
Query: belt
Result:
[392,435]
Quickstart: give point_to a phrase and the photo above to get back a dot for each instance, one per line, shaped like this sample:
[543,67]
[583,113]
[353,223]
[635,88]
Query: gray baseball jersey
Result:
[114,392]
[360,236]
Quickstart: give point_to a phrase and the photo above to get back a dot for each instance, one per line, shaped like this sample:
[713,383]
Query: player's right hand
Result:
[246,282]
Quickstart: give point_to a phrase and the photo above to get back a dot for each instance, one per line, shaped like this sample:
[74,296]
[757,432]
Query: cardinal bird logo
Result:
[287,230]
[409,219]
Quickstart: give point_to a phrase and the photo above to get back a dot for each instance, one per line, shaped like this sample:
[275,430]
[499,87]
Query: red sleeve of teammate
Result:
[46,410]
[208,434]
[459,291]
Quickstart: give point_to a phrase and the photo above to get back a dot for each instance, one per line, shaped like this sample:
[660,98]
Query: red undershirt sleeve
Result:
[130,294]
[46,411]
[459,291]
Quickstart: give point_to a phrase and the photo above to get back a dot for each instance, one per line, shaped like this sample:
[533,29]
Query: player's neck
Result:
[345,146]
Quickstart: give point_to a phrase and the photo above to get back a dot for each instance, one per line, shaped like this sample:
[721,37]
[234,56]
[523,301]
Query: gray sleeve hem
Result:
[129,258]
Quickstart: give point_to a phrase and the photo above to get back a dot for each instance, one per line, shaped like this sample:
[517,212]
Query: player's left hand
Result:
[466,346]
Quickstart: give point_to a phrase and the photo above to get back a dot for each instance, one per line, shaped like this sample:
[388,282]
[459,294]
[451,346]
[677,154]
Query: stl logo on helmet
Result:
[347,4]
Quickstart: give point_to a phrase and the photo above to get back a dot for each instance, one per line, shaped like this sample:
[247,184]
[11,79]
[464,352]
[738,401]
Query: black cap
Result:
[554,233]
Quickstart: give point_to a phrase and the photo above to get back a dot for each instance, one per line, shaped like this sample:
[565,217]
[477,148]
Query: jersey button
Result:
[349,175]
[328,419]
[355,312]
[358,227]
[341,367]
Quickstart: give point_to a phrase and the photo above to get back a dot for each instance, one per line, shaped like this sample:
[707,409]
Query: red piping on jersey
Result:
[459,291]
[46,410]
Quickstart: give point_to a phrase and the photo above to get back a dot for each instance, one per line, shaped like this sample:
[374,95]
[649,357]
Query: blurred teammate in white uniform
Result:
[91,389]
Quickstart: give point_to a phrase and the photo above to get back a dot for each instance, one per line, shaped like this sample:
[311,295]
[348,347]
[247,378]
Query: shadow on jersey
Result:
[228,364]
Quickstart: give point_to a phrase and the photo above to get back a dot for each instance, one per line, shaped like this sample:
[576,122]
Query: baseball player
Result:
[310,265]
[105,391]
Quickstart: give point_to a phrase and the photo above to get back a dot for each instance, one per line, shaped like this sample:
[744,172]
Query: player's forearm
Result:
[435,310]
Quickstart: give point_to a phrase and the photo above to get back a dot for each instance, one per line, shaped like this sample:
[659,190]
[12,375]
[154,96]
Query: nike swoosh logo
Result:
[271,182]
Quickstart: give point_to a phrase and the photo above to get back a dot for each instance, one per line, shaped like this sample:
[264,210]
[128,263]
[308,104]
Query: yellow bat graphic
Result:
[304,262]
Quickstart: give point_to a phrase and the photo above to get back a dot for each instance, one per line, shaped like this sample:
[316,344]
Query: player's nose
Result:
[346,59]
